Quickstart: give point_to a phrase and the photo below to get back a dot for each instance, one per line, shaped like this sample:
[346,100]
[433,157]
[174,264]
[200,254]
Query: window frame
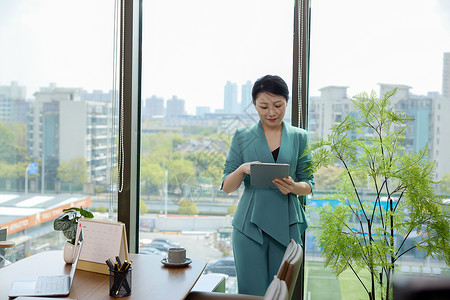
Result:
[130,74]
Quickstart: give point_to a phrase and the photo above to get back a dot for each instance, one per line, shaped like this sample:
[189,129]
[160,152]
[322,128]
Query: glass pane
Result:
[57,145]
[360,46]
[198,71]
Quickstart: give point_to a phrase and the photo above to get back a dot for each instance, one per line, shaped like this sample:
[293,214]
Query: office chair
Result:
[421,287]
[283,281]
[277,290]
[290,265]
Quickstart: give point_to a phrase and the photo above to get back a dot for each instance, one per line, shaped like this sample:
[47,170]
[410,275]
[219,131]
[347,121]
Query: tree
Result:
[186,207]
[181,172]
[7,145]
[73,171]
[444,185]
[152,172]
[143,209]
[327,178]
[404,201]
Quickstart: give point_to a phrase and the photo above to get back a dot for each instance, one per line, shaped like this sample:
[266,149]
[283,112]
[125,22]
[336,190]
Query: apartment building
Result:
[61,126]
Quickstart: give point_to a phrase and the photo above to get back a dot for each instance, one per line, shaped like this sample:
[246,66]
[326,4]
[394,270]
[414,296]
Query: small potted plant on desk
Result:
[67,223]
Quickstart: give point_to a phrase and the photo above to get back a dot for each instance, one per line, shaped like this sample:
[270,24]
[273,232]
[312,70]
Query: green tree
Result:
[212,175]
[143,209]
[444,185]
[7,145]
[231,210]
[101,209]
[376,156]
[327,178]
[186,207]
[73,171]
[180,172]
[152,172]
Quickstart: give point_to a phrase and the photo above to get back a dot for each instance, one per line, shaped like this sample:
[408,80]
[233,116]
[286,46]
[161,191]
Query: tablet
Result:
[262,174]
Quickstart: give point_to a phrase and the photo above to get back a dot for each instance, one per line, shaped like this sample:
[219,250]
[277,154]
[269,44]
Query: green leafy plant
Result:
[67,222]
[368,231]
[187,207]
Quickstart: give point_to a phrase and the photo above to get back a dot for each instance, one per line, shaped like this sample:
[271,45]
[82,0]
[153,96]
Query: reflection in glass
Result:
[198,71]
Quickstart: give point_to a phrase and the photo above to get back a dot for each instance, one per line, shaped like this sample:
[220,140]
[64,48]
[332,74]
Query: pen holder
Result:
[120,282]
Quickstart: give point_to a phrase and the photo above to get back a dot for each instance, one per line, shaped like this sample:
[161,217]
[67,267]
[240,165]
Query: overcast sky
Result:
[191,48]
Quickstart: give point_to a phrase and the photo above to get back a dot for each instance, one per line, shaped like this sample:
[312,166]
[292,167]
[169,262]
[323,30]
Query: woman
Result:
[267,218]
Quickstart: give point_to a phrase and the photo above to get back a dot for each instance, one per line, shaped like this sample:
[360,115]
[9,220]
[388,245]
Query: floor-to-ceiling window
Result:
[199,62]
[359,46]
[57,142]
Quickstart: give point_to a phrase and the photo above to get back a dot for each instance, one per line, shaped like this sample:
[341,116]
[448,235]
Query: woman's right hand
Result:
[234,179]
[245,167]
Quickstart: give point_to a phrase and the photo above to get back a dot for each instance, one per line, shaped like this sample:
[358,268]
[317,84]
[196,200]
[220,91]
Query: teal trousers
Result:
[256,264]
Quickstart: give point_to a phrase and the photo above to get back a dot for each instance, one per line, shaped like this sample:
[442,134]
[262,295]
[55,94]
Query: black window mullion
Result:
[129,119]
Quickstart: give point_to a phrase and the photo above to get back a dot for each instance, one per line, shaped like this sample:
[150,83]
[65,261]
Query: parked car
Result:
[168,242]
[150,250]
[160,246]
[223,265]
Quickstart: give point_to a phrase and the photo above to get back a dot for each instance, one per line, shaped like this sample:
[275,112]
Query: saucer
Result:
[186,262]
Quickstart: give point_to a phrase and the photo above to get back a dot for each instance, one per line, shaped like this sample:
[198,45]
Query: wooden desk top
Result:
[150,279]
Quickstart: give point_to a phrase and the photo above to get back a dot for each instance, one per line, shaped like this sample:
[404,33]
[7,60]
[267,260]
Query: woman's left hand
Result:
[286,185]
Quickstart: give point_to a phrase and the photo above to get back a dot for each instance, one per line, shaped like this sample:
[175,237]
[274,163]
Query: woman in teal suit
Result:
[267,218]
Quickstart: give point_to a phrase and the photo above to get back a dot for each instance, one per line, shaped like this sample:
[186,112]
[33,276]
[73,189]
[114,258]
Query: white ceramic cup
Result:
[176,255]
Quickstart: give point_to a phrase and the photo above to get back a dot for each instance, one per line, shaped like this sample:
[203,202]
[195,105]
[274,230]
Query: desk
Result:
[151,280]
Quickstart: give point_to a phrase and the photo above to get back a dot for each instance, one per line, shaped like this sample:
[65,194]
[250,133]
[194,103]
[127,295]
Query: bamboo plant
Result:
[363,232]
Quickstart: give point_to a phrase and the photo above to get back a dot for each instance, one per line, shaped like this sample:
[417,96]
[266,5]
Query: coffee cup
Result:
[176,255]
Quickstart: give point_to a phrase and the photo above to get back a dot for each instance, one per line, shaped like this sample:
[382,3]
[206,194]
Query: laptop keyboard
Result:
[47,285]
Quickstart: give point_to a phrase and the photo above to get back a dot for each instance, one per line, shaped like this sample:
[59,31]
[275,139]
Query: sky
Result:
[192,48]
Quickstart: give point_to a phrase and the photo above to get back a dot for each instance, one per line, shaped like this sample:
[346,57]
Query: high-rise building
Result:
[328,109]
[202,110]
[154,107]
[62,127]
[440,142]
[97,95]
[175,107]
[246,95]
[13,91]
[446,76]
[13,106]
[230,99]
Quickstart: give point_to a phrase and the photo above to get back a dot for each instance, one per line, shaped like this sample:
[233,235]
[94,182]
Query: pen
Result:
[119,262]
[110,264]
[124,281]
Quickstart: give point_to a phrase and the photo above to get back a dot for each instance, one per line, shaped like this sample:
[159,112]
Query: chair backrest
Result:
[290,265]
[277,290]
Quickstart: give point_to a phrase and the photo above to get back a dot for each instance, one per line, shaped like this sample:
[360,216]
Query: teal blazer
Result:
[266,208]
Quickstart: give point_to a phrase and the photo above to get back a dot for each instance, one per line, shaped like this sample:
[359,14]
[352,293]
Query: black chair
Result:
[421,287]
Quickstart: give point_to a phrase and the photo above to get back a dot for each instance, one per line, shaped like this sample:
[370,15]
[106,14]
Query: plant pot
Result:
[69,249]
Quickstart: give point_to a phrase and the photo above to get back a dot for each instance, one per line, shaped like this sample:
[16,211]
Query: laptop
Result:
[58,285]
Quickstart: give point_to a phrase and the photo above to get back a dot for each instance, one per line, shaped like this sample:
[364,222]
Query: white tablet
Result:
[262,174]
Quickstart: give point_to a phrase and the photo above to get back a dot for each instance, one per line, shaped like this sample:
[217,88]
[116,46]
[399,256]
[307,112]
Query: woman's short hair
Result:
[271,84]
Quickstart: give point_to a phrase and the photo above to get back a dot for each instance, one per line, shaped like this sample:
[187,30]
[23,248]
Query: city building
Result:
[202,110]
[175,107]
[230,98]
[446,75]
[246,95]
[61,127]
[13,91]
[13,106]
[97,95]
[328,109]
[333,105]
[440,141]
[154,107]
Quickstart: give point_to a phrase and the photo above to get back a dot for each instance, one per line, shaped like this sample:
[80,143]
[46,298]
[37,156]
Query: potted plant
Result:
[67,223]
[368,231]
